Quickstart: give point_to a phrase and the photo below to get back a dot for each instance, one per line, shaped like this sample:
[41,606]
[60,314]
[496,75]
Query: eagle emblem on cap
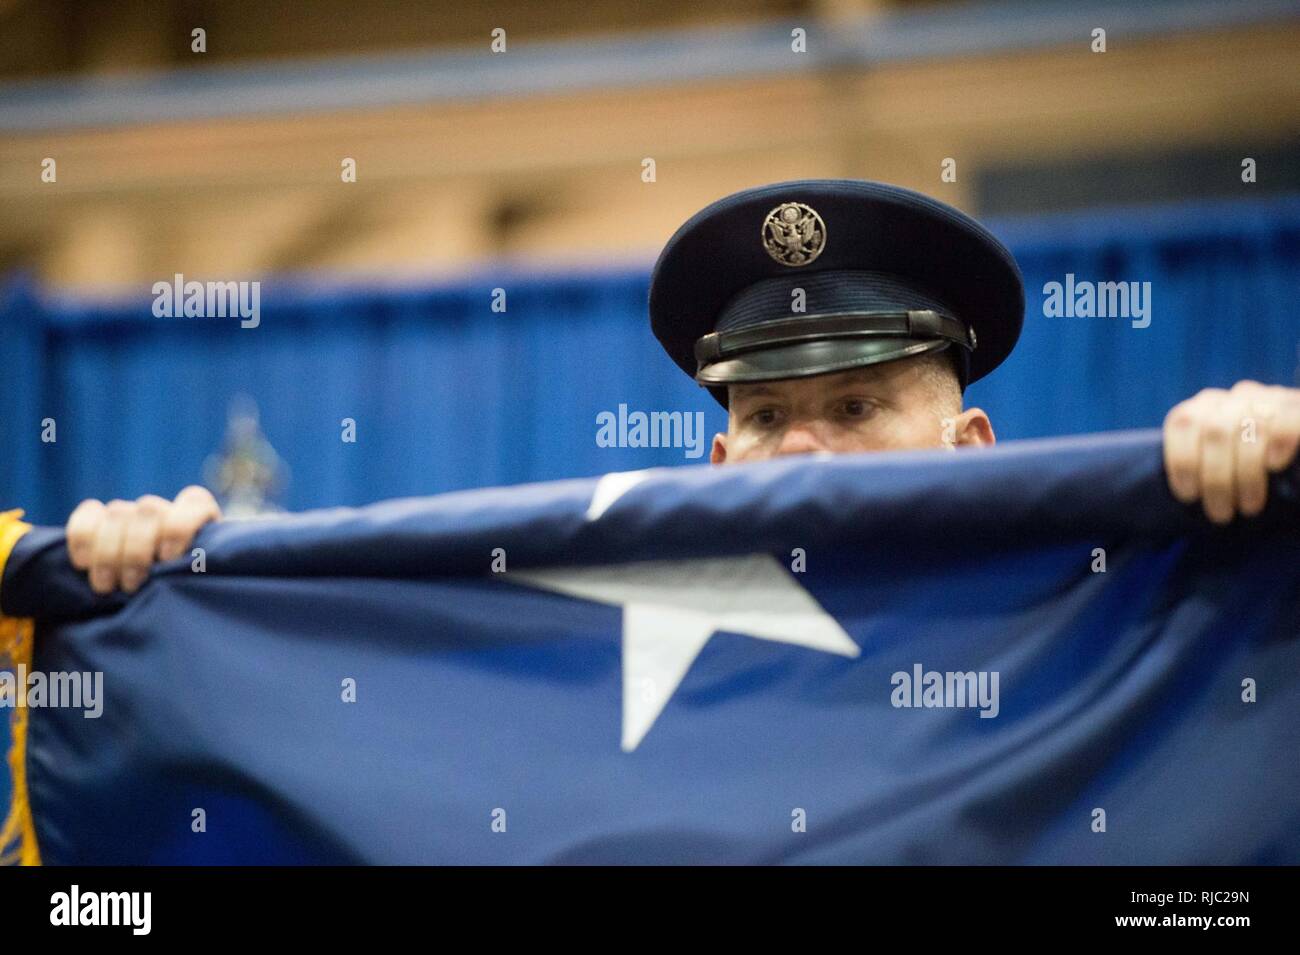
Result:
[794,234]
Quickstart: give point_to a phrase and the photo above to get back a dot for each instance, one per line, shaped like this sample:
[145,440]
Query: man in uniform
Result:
[827,316]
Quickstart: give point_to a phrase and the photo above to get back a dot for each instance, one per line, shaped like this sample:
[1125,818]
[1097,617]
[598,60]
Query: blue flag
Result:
[1027,654]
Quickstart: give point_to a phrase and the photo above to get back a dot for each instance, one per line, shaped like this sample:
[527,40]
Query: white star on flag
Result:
[672,607]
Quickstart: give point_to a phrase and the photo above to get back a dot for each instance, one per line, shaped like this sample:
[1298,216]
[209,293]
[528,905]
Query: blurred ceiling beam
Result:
[881,37]
[1191,88]
[555,179]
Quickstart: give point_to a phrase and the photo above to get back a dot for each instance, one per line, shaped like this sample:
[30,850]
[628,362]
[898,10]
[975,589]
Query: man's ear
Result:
[718,454]
[973,429]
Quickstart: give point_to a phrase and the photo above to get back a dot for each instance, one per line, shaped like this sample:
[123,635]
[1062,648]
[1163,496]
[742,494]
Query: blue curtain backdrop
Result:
[448,394]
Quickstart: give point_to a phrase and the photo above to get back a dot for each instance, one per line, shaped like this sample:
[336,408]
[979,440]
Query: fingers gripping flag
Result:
[1029,654]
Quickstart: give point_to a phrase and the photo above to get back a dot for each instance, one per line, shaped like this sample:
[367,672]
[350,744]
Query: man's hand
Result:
[1221,446]
[119,541]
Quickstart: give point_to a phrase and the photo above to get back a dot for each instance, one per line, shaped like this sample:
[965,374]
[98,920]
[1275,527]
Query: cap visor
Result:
[804,359]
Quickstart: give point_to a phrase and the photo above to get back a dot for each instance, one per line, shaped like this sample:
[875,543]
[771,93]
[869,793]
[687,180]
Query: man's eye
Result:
[856,408]
[765,417]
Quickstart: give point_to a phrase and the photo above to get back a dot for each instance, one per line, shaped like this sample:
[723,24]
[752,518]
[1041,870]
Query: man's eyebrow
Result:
[861,376]
[755,391]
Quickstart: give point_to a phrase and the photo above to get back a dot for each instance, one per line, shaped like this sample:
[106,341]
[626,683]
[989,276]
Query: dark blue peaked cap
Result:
[885,273]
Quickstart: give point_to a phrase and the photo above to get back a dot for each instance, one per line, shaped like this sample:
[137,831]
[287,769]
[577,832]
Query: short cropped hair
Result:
[939,371]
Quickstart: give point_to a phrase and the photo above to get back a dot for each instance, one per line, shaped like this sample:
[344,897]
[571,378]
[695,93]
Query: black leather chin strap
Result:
[917,324]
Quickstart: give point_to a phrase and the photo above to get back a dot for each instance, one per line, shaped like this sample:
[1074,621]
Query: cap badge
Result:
[794,234]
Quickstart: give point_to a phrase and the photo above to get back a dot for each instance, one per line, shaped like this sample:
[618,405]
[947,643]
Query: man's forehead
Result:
[877,375]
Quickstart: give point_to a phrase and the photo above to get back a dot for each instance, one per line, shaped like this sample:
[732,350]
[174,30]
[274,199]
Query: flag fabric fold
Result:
[1026,654]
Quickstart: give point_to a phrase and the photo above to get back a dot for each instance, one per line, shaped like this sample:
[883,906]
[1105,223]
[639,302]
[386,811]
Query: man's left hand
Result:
[1221,446]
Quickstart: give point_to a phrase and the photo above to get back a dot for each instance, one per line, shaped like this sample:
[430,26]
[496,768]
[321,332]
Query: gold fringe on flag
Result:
[18,834]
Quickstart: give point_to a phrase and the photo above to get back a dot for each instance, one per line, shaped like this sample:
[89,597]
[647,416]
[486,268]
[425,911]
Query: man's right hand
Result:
[119,541]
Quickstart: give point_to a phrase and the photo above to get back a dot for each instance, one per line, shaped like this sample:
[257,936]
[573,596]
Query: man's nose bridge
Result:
[801,436]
